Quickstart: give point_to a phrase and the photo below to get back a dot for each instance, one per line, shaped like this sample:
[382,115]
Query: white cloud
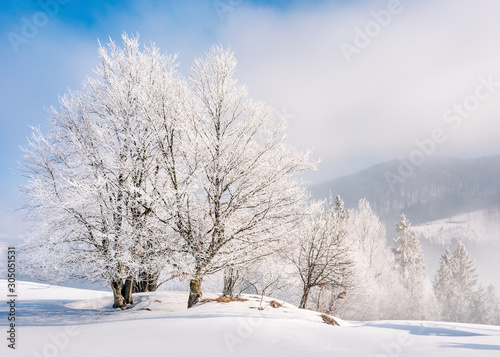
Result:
[353,114]
[395,91]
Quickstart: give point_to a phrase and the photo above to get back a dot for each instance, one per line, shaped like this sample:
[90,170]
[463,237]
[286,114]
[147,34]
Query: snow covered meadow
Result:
[473,227]
[58,321]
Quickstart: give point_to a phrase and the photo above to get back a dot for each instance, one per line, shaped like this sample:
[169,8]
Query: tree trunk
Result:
[127,290]
[318,303]
[303,299]
[119,300]
[145,283]
[230,278]
[194,291]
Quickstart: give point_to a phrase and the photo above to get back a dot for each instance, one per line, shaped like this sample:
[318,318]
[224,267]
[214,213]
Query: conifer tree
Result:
[443,286]
[410,263]
[375,285]
[492,307]
[460,295]
[465,281]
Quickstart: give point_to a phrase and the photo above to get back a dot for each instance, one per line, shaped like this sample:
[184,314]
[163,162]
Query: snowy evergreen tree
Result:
[375,285]
[460,295]
[465,284]
[444,288]
[410,264]
[492,316]
[479,307]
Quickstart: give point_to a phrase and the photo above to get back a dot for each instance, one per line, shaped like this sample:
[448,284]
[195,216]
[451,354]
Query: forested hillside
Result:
[440,188]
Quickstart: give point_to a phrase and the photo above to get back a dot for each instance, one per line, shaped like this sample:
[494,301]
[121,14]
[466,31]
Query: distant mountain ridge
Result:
[441,187]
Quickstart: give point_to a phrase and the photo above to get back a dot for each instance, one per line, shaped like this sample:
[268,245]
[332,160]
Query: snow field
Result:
[55,321]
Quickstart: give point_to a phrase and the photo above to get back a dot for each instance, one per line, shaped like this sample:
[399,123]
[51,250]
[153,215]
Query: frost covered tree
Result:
[233,189]
[479,306]
[92,177]
[266,276]
[321,258]
[492,316]
[460,294]
[465,280]
[444,286]
[232,277]
[143,170]
[375,285]
[410,265]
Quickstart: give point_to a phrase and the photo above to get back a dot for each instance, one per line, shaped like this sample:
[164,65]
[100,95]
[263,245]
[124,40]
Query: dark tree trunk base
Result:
[122,293]
[194,292]
[145,283]
[127,290]
[119,300]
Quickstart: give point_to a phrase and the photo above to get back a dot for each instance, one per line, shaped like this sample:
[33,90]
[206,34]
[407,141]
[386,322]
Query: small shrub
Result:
[329,320]
[224,299]
[275,304]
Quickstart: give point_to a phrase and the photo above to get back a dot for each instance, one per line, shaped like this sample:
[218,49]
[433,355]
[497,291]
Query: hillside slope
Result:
[160,325]
[440,188]
[446,199]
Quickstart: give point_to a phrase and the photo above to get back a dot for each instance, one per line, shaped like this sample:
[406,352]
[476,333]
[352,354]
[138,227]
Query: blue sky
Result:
[353,109]
[40,63]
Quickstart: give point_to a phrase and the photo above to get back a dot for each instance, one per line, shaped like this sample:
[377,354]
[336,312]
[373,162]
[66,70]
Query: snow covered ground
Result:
[56,321]
[475,227]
